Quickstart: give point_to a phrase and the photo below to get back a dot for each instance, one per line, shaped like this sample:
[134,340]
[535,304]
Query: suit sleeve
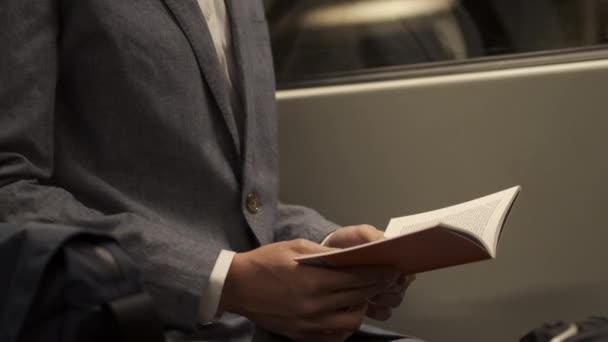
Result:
[175,269]
[296,222]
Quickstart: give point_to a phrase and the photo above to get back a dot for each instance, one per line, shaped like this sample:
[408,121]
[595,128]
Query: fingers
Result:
[321,337]
[388,300]
[381,305]
[379,313]
[406,280]
[303,246]
[359,277]
[327,280]
[351,298]
[338,321]
[332,326]
[393,296]
[355,235]
[369,233]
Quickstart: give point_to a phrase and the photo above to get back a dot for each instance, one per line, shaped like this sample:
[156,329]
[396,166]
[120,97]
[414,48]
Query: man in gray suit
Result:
[155,120]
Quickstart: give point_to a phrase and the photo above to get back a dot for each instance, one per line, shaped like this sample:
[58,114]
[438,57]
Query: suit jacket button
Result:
[253,203]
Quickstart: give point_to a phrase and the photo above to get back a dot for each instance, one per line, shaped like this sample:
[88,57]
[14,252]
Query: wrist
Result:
[231,298]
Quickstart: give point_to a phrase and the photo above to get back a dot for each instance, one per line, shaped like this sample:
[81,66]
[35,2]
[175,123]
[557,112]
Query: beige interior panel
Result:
[364,153]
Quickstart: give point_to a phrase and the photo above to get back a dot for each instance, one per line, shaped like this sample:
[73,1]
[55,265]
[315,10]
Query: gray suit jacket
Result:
[114,116]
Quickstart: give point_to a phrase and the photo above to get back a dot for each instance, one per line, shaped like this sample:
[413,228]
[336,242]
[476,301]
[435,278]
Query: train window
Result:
[315,40]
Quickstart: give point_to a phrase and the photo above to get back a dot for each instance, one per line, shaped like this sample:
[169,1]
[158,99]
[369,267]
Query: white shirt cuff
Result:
[210,298]
[324,242]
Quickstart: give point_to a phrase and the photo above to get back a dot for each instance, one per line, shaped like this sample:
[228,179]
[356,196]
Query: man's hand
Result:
[302,302]
[380,306]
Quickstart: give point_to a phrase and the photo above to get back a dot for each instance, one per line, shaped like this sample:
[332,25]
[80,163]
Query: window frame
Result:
[452,67]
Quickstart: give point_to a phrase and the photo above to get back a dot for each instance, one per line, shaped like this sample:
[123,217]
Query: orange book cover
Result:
[455,235]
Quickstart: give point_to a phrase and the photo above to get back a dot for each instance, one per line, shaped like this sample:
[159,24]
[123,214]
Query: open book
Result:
[455,235]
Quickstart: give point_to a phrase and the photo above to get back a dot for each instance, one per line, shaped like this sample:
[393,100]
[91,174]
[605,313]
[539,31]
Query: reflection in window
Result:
[315,39]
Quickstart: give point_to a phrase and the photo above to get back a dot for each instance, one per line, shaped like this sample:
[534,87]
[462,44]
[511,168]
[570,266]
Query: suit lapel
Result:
[251,89]
[240,28]
[190,18]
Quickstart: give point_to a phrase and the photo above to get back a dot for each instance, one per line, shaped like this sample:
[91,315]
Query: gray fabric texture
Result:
[245,332]
[113,117]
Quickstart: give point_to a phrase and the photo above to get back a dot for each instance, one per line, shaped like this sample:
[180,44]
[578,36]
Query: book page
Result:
[423,251]
[472,219]
[482,217]
[455,235]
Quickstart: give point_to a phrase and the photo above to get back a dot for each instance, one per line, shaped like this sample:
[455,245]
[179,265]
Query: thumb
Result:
[303,246]
[366,233]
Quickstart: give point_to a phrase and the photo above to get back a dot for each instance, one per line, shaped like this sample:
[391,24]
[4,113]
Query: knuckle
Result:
[390,274]
[299,243]
[354,321]
[383,314]
[365,230]
[311,285]
[367,227]
[307,308]
[392,302]
[354,324]
[388,300]
[301,246]
[396,301]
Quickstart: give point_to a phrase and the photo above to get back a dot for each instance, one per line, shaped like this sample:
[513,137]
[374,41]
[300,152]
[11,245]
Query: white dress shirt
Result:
[218,22]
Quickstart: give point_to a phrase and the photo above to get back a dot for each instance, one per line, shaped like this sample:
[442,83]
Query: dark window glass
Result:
[317,39]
